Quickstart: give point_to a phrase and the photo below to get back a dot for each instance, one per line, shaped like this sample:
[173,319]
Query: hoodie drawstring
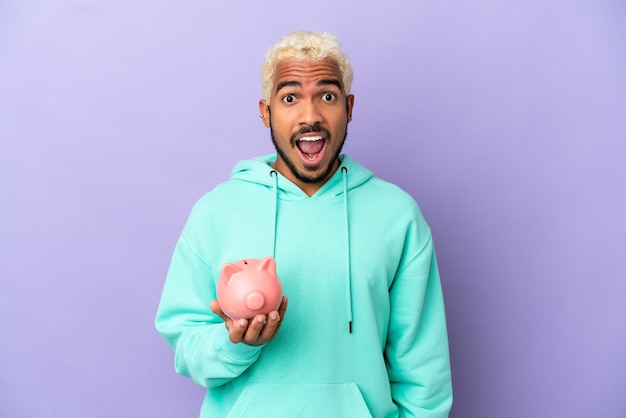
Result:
[344,170]
[274,174]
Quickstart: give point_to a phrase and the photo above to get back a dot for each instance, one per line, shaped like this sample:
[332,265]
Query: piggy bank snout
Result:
[255,300]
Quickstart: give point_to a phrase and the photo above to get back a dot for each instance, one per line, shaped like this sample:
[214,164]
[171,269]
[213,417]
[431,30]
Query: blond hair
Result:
[305,46]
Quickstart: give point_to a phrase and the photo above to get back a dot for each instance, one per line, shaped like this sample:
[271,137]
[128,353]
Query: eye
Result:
[328,97]
[290,98]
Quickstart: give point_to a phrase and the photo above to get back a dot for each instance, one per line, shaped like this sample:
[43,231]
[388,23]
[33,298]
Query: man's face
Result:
[308,118]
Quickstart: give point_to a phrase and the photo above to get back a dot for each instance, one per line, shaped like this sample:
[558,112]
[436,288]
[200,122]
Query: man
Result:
[365,332]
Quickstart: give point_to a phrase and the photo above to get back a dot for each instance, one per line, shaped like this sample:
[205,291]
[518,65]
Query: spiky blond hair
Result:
[305,46]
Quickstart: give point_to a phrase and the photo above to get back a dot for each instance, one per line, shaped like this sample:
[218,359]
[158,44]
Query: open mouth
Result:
[311,149]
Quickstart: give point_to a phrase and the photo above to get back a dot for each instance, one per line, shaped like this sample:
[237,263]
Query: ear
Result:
[268,264]
[264,109]
[350,105]
[228,270]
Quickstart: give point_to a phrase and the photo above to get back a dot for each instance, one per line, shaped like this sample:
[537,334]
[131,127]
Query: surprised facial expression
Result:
[308,115]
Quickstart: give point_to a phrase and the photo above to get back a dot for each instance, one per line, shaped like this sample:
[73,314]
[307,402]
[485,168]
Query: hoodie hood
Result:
[349,176]
[259,170]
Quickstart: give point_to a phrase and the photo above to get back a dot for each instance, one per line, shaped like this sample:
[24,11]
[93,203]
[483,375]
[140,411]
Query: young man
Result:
[365,332]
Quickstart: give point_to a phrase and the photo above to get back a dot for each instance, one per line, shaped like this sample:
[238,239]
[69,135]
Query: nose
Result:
[311,113]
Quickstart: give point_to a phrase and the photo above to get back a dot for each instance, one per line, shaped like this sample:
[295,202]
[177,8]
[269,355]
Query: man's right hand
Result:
[255,331]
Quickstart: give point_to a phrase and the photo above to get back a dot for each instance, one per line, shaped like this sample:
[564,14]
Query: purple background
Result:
[505,120]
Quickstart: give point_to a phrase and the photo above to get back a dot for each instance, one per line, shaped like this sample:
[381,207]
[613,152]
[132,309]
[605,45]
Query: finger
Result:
[282,309]
[274,321]
[237,329]
[270,328]
[254,330]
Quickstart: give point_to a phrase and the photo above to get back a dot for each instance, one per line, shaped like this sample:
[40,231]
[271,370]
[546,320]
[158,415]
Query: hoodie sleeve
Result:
[417,348]
[203,350]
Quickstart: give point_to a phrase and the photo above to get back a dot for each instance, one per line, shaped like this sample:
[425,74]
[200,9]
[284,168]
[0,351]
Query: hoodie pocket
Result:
[300,401]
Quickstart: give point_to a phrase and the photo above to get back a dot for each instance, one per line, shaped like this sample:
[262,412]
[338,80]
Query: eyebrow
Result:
[323,82]
[284,84]
[330,82]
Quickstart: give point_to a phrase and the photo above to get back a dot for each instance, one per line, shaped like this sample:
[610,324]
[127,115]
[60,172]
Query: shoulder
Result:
[215,201]
[229,201]
[226,193]
[394,207]
[389,194]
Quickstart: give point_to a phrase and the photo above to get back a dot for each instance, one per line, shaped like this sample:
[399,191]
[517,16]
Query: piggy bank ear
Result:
[268,264]
[228,269]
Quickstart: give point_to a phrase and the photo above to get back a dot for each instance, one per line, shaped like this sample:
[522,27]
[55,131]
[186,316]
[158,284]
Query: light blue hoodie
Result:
[365,332]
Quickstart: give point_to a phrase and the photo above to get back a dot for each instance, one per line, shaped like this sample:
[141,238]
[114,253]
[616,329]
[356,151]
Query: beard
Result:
[300,175]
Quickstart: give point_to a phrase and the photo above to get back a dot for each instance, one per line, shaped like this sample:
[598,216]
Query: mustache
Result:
[307,129]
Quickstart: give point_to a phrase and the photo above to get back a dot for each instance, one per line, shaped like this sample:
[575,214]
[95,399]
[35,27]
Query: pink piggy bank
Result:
[249,287]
